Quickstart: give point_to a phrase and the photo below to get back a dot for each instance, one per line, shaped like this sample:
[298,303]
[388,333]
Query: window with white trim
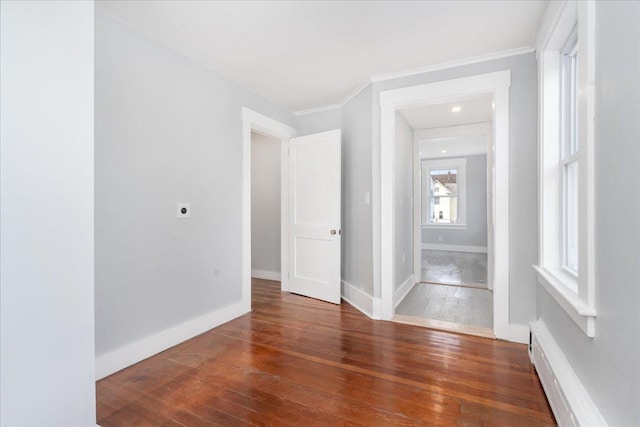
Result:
[566,70]
[569,162]
[444,192]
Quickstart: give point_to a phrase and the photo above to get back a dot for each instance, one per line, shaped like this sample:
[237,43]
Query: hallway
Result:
[452,296]
[446,303]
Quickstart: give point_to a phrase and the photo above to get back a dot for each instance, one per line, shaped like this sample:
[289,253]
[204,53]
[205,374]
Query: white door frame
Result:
[497,83]
[256,122]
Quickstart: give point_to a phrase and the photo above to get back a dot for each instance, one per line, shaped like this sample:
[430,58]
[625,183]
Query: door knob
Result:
[333,231]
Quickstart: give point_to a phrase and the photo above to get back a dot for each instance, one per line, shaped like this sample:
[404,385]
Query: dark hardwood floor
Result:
[295,361]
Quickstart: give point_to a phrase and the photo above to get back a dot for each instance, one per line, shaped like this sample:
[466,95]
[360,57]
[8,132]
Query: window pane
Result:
[445,211]
[445,181]
[573,113]
[569,57]
[571,216]
[444,201]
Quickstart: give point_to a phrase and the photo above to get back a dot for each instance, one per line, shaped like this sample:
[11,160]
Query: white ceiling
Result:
[304,54]
[477,109]
[453,146]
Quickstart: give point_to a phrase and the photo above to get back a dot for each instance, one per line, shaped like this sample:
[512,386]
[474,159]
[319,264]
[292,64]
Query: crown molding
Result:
[355,92]
[348,98]
[420,70]
[318,109]
[453,64]
[548,22]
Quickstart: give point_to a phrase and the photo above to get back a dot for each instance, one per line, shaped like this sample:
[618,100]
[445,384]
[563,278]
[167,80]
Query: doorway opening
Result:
[263,129]
[309,215]
[451,159]
[392,288]
[266,200]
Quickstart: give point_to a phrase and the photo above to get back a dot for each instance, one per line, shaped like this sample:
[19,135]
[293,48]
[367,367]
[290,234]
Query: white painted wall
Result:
[47,368]
[475,234]
[265,203]
[167,131]
[607,365]
[403,207]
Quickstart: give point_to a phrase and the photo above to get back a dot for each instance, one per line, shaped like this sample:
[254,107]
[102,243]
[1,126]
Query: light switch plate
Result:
[184,210]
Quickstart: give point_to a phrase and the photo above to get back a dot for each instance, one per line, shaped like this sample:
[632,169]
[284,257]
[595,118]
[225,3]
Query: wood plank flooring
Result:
[295,361]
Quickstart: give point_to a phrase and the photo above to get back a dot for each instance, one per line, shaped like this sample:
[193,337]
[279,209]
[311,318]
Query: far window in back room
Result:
[443,192]
[444,195]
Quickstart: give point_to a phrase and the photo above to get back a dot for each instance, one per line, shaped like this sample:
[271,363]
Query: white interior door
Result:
[314,216]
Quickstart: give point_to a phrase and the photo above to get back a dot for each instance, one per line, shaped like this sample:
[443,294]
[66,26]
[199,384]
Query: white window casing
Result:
[560,150]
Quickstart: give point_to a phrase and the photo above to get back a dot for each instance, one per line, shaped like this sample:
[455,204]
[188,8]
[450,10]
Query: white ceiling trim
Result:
[552,13]
[318,110]
[456,63]
[348,98]
[420,70]
[355,92]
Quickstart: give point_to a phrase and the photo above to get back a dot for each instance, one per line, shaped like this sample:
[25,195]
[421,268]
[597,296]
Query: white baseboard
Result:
[403,290]
[123,357]
[454,248]
[519,334]
[265,274]
[377,308]
[361,300]
[569,400]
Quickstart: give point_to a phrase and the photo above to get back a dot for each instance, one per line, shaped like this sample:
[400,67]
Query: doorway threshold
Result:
[460,285]
[445,326]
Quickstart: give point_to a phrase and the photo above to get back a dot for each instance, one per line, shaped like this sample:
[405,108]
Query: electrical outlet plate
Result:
[183,210]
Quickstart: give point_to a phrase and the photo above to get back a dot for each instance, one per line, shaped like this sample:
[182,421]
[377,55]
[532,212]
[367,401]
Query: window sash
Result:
[430,211]
[436,209]
[436,214]
[570,216]
[569,96]
[569,155]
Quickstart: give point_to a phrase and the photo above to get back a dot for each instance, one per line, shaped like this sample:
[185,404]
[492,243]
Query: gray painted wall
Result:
[522,172]
[318,122]
[403,208]
[476,231]
[607,365]
[265,203]
[357,252]
[167,131]
[47,363]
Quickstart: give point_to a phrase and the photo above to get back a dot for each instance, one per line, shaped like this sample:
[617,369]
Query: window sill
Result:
[559,287]
[444,226]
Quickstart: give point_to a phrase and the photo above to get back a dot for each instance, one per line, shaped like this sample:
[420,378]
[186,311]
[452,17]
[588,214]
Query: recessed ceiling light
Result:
[456,109]
[443,151]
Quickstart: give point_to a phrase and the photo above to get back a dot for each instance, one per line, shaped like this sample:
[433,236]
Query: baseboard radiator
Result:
[569,400]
